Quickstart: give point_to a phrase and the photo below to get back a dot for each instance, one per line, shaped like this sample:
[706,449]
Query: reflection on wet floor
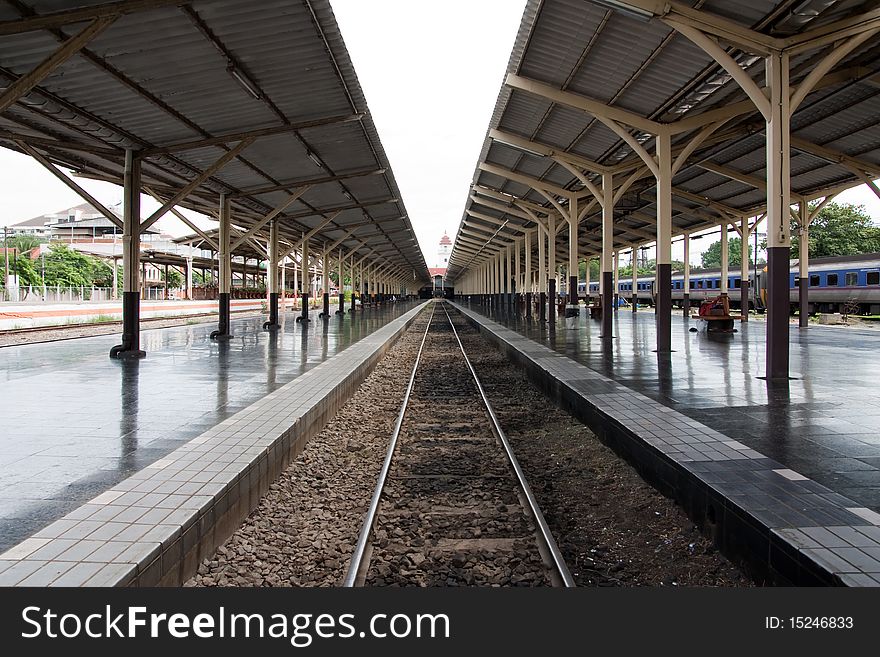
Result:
[73,422]
[824,424]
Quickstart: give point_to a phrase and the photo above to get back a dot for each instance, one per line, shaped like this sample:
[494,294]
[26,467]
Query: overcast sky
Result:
[431,73]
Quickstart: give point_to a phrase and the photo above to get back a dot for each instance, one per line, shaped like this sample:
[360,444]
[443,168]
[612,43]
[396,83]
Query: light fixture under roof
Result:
[626,8]
[244,81]
[314,158]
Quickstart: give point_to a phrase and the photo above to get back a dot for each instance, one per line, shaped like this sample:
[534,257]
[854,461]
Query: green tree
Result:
[839,229]
[67,267]
[24,243]
[24,267]
[711,258]
[175,278]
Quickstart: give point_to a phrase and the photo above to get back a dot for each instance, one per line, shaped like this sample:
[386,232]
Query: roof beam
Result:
[854,164]
[833,32]
[238,136]
[510,200]
[588,105]
[255,191]
[195,182]
[68,49]
[528,181]
[727,172]
[270,216]
[539,149]
[55,171]
[177,213]
[57,19]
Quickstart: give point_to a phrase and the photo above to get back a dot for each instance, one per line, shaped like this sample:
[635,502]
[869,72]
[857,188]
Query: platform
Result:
[786,476]
[74,423]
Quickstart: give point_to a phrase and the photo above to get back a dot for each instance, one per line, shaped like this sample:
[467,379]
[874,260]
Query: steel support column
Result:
[527,280]
[634,293]
[664,244]
[306,282]
[341,275]
[803,265]
[744,270]
[686,285]
[572,309]
[551,269]
[272,278]
[778,217]
[224,257]
[542,275]
[605,296]
[131,254]
[725,260]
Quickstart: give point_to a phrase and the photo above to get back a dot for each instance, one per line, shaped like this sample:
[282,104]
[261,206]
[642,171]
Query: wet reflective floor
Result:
[73,422]
[824,424]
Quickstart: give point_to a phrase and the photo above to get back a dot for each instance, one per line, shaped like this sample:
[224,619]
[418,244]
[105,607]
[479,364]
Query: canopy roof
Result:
[578,65]
[255,100]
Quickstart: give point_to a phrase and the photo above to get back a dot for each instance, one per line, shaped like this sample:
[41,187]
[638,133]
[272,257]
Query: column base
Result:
[272,324]
[222,332]
[130,349]
[304,317]
[119,353]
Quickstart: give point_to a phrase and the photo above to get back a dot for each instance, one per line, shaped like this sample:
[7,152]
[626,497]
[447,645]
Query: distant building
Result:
[81,223]
[444,252]
[438,273]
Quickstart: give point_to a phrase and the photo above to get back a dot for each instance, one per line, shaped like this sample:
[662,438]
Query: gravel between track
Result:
[304,530]
[613,528]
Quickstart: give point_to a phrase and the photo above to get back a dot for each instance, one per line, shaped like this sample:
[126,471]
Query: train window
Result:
[737,283]
[693,284]
[832,280]
[873,277]
[852,279]
[814,280]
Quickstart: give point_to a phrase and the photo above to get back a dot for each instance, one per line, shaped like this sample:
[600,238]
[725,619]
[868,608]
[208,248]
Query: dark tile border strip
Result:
[783,527]
[155,527]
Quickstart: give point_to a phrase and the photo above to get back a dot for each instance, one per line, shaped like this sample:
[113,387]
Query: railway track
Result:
[451,506]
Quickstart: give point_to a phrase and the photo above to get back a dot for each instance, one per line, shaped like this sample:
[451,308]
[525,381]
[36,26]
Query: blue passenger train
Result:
[851,282]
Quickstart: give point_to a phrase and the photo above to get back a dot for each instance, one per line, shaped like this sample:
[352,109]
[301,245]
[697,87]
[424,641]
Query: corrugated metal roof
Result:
[647,68]
[162,76]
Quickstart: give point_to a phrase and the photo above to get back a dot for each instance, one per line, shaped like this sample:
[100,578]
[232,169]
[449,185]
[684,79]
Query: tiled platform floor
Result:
[825,424]
[786,526]
[73,422]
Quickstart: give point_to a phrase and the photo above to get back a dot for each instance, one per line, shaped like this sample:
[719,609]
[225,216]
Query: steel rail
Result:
[360,549]
[544,530]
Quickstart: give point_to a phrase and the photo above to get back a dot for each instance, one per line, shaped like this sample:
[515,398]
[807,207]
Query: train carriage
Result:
[837,284]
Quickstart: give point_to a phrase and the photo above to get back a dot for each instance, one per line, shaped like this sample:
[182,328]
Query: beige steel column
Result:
[542,274]
[588,261]
[131,255]
[551,268]
[605,282]
[725,259]
[686,285]
[527,274]
[634,293]
[664,244]
[507,274]
[572,253]
[744,284]
[616,278]
[224,257]
[306,280]
[272,277]
[517,266]
[803,265]
[778,216]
